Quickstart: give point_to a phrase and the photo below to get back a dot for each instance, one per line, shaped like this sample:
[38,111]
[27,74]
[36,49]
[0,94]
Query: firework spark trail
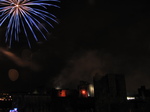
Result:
[22,14]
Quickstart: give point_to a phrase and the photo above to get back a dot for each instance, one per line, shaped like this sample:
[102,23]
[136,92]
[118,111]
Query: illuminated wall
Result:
[62,93]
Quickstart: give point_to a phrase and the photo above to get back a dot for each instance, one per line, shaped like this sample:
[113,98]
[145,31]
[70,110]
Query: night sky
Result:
[92,37]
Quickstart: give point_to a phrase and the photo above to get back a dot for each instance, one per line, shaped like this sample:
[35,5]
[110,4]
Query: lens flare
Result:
[26,16]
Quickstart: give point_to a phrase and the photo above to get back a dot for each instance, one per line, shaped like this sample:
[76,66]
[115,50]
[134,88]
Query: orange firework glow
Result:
[62,93]
[83,93]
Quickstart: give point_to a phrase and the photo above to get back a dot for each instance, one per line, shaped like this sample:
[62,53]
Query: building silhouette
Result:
[110,93]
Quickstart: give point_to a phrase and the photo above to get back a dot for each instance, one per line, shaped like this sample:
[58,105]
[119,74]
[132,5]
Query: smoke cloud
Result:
[83,66]
[86,64]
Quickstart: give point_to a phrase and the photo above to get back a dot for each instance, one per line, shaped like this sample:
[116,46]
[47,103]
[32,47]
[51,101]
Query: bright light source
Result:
[130,98]
[83,92]
[58,88]
[14,110]
[91,90]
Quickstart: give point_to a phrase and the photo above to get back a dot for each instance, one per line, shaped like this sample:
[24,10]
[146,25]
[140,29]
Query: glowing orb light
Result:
[26,16]
[13,74]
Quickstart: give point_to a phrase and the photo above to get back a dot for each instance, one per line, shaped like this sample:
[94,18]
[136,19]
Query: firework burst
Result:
[25,16]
